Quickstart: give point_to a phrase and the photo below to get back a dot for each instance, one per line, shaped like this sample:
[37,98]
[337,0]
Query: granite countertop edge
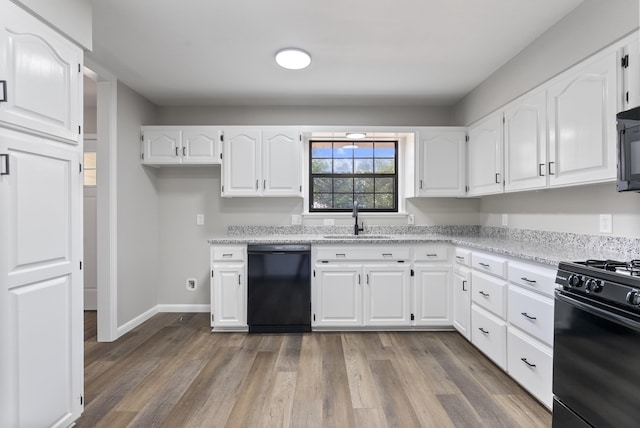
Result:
[539,252]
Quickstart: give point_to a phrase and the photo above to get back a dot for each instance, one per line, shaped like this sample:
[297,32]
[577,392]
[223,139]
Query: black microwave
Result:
[628,124]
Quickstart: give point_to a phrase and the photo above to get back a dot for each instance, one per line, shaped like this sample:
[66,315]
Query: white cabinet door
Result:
[200,145]
[462,302]
[441,162]
[338,296]
[631,74]
[43,76]
[582,130]
[281,163]
[525,143]
[433,295]
[387,295]
[229,295]
[241,162]
[485,156]
[162,146]
[41,357]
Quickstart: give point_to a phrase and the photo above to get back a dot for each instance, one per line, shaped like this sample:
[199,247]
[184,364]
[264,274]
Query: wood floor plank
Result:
[370,418]
[309,387]
[289,355]
[525,410]
[397,407]
[361,384]
[307,413]
[459,410]
[279,405]
[116,420]
[337,406]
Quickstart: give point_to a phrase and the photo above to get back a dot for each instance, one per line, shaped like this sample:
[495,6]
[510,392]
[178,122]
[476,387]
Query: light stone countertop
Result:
[548,253]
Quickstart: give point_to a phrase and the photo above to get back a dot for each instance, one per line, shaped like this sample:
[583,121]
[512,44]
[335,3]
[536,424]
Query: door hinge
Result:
[300,137]
[412,272]
[142,156]
[413,318]
[624,61]
[301,187]
[142,136]
[79,68]
[314,273]
[220,156]
[211,273]
[314,317]
[504,120]
[223,188]
[80,264]
[81,400]
[221,137]
[466,138]
[79,130]
[466,189]
[212,318]
[80,165]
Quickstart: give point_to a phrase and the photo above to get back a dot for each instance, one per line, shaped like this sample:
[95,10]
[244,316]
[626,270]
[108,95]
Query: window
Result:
[89,168]
[341,172]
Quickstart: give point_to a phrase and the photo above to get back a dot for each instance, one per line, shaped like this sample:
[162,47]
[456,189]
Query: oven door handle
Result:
[611,316]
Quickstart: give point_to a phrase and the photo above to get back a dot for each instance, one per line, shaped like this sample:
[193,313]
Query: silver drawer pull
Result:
[483,330]
[227,255]
[483,293]
[432,255]
[526,315]
[459,257]
[484,265]
[387,255]
[524,360]
[341,255]
[530,281]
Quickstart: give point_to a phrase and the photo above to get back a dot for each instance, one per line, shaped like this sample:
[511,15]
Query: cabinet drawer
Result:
[489,334]
[533,277]
[463,257]
[492,265]
[235,253]
[531,313]
[431,253]
[489,292]
[531,364]
[372,253]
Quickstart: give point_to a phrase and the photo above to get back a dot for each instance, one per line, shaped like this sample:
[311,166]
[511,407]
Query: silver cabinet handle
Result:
[239,282]
[367,279]
[541,170]
[497,178]
[463,283]
[552,164]
[6,164]
[530,281]
[459,257]
[387,255]
[3,84]
[524,360]
[177,152]
[484,265]
[264,184]
[359,279]
[184,151]
[257,181]
[432,255]
[421,184]
[483,293]
[483,330]
[526,315]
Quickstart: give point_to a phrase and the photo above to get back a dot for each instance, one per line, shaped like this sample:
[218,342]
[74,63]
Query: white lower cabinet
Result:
[387,295]
[531,364]
[433,295]
[228,288]
[489,334]
[337,299]
[462,301]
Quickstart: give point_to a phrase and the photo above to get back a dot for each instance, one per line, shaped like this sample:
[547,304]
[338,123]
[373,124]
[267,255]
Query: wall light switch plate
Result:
[606,223]
[411,219]
[296,219]
[199,219]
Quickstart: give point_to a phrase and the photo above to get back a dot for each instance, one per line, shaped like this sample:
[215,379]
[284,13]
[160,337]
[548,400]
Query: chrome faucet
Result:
[356,228]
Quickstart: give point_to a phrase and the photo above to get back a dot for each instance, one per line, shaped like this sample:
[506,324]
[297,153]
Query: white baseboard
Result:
[184,308]
[127,327]
[90,299]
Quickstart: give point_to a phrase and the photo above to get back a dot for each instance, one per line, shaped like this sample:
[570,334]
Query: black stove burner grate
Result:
[632,267]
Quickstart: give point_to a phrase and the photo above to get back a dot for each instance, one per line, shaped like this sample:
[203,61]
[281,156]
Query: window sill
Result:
[361,215]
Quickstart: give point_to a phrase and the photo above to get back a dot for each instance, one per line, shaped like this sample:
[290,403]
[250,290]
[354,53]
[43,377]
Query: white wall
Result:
[71,17]
[138,211]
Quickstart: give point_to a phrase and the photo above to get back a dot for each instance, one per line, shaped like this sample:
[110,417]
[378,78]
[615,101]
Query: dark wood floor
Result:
[173,372]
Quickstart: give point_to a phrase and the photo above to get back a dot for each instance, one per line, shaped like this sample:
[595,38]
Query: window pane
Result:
[385,150]
[343,200]
[322,200]
[322,185]
[339,150]
[363,185]
[363,166]
[385,185]
[89,177]
[343,166]
[321,150]
[321,166]
[89,160]
[384,201]
[385,166]
[343,185]
[364,150]
[365,200]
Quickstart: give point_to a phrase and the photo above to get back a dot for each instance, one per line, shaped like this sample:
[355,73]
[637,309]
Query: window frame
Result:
[395,176]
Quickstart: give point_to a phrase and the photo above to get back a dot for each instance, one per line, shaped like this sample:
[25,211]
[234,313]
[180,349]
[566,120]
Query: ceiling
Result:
[365,52]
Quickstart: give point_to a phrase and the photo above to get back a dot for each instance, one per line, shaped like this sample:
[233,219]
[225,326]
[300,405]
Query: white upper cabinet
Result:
[441,162]
[261,162]
[485,156]
[630,63]
[173,145]
[525,143]
[40,77]
[581,108]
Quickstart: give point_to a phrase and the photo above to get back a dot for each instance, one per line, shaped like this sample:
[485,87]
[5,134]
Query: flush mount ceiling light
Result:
[293,58]
[356,135]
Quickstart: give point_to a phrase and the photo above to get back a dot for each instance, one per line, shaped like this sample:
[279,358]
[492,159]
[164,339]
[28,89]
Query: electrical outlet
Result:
[296,219]
[192,284]
[411,219]
[606,223]
[328,222]
[505,219]
[199,219]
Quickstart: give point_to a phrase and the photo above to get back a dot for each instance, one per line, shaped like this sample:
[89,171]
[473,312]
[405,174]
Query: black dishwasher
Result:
[279,288]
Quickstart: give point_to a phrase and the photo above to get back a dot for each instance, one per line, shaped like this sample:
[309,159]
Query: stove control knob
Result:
[574,280]
[633,297]
[593,286]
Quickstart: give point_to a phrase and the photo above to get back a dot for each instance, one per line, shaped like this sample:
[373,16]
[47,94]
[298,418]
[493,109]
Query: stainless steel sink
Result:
[347,236]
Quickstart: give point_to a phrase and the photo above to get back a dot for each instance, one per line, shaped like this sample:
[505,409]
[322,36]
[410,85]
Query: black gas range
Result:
[596,378]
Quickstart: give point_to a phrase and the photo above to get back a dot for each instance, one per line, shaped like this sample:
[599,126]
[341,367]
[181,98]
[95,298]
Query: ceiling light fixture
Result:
[356,135]
[293,58]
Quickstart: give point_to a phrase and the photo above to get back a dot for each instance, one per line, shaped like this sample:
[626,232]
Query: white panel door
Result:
[41,363]
[281,163]
[441,156]
[338,301]
[162,146]
[387,300]
[241,166]
[433,295]
[525,143]
[582,128]
[485,156]
[229,295]
[200,145]
[43,76]
[462,302]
